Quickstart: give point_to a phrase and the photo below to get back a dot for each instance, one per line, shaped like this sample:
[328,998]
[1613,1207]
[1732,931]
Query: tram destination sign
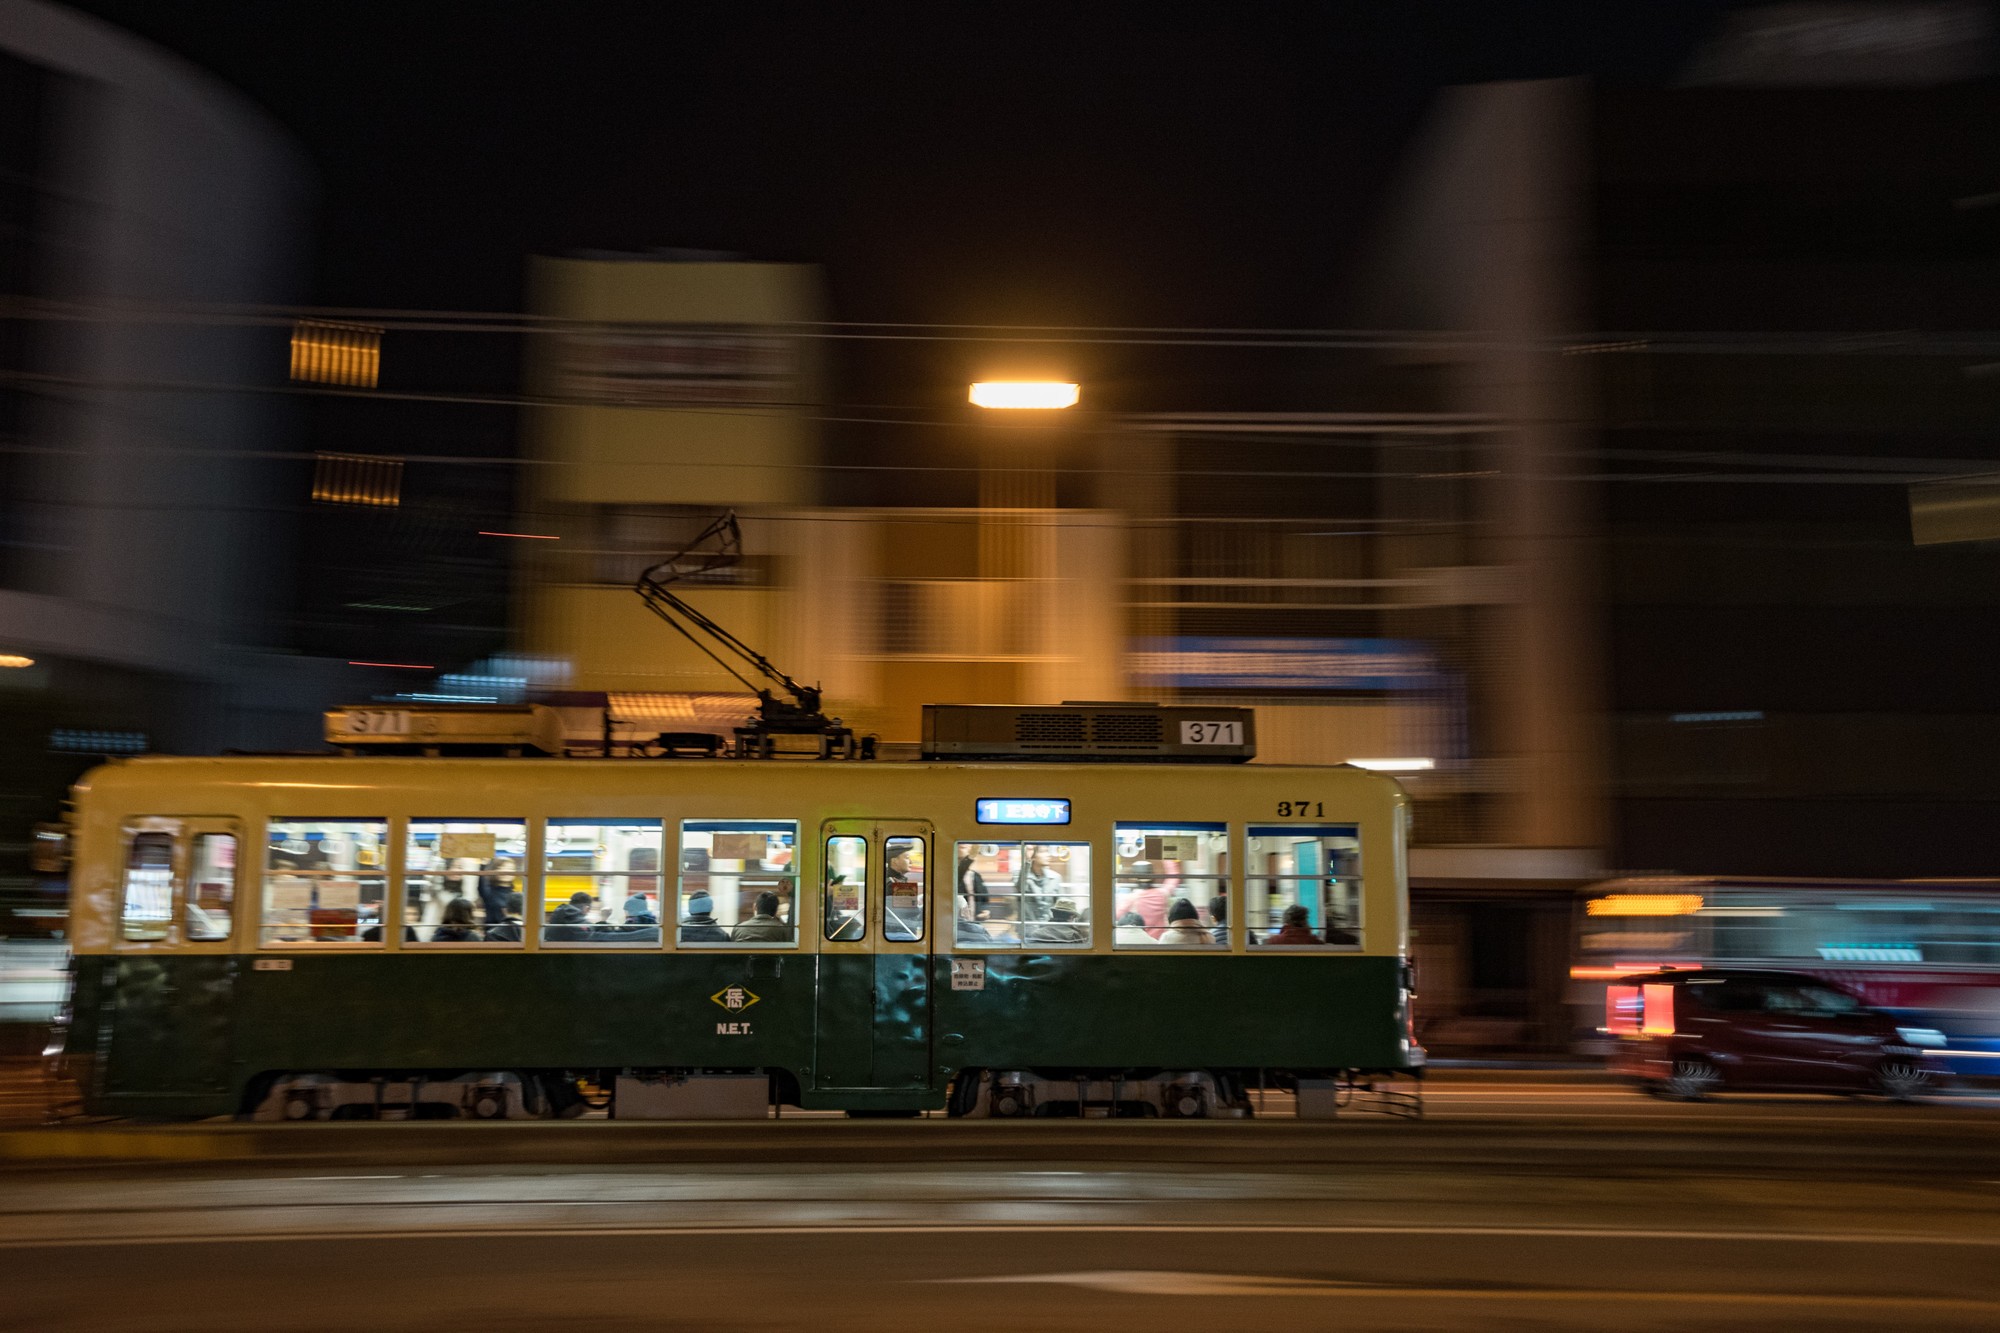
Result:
[1012,810]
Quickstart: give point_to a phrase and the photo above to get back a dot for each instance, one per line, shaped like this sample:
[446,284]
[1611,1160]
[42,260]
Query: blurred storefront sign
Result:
[1233,663]
[726,363]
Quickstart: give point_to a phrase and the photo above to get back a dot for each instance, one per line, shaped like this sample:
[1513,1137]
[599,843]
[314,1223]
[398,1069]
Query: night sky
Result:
[1093,164]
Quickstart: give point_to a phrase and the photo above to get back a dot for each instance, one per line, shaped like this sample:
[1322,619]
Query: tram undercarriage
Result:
[1195,1094]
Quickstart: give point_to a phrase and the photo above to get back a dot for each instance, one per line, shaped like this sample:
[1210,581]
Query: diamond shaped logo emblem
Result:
[735,998]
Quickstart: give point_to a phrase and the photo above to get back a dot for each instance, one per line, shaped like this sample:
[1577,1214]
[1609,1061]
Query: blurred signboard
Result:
[666,365]
[1233,663]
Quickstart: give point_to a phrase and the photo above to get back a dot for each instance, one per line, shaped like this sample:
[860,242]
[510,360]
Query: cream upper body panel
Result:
[254,790]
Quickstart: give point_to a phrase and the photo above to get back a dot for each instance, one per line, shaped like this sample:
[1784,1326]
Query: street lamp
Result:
[1041,394]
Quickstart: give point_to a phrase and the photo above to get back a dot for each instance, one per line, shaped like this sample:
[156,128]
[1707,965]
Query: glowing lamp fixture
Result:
[15,660]
[1025,393]
[1395,765]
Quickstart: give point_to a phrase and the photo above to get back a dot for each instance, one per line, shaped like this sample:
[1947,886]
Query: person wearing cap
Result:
[1062,927]
[1184,925]
[699,926]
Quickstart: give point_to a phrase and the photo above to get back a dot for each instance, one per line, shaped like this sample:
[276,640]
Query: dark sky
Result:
[1078,163]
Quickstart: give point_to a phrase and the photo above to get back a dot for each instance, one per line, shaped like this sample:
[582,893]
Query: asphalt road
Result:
[1520,1203]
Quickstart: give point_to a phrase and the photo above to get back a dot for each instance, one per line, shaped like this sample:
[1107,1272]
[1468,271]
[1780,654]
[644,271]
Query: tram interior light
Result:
[1395,765]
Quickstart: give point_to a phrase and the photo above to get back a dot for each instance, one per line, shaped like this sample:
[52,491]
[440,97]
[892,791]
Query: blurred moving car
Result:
[1687,1034]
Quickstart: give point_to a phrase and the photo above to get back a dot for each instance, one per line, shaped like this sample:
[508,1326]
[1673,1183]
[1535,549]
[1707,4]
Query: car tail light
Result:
[1658,1010]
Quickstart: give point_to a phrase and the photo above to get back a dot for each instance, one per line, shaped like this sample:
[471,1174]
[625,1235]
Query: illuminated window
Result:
[149,887]
[210,903]
[601,882]
[1171,886]
[739,883]
[1022,895]
[463,878]
[324,881]
[1302,887]
[903,870]
[845,895]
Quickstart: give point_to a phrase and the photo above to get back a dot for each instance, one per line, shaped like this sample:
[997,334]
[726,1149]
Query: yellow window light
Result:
[1025,393]
[1645,904]
[15,660]
[324,352]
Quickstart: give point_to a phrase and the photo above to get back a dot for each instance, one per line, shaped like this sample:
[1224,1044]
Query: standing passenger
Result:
[1039,886]
[457,927]
[508,931]
[494,888]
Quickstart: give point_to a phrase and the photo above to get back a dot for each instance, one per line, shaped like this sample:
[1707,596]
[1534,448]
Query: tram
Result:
[1012,929]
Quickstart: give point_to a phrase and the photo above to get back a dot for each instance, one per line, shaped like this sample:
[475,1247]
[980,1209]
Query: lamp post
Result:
[1013,499]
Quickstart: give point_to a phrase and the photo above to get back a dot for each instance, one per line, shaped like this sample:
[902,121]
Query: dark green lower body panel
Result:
[188,1035]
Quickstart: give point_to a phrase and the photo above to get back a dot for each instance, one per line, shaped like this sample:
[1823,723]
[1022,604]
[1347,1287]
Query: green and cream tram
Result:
[316,937]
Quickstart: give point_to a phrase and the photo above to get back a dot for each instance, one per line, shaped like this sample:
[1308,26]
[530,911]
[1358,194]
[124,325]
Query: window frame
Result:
[1225,881]
[400,889]
[389,873]
[1087,892]
[534,918]
[745,824]
[1358,879]
[181,832]
[860,912]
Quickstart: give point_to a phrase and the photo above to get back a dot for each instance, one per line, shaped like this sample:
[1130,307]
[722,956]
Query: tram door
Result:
[872,1015]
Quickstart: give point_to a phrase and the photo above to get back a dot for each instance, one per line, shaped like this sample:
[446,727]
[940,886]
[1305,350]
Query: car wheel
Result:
[1902,1080]
[1693,1079]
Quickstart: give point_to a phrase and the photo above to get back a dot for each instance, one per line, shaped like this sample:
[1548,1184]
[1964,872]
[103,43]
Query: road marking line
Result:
[1022,1228]
[1140,1282]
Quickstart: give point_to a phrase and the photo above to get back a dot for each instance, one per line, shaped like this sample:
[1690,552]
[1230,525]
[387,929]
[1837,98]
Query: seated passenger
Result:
[765,926]
[965,930]
[1131,929]
[1297,927]
[1218,912]
[638,904]
[699,926]
[571,921]
[457,927]
[1184,925]
[1340,935]
[639,928]
[1062,927]
[508,929]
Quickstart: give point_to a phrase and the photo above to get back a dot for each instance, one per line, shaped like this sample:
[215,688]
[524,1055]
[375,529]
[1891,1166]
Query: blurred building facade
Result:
[1752,670]
[138,550]
[687,385]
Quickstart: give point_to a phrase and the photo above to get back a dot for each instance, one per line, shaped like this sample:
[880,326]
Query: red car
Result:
[1692,1033]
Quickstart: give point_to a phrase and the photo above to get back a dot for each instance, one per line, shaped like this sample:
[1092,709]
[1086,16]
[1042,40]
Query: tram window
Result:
[739,883]
[324,881]
[149,887]
[903,874]
[846,889]
[1170,886]
[1303,887]
[601,882]
[459,880]
[1022,895]
[211,890]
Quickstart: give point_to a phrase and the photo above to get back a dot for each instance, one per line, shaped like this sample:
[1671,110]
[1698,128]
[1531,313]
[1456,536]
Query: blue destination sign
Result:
[992,810]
